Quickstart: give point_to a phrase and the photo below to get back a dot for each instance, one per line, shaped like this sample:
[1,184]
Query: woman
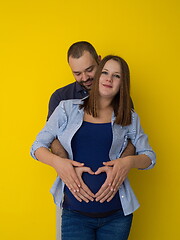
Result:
[95,131]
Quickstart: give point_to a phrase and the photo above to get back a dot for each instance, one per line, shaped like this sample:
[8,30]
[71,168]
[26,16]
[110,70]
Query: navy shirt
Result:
[91,145]
[71,91]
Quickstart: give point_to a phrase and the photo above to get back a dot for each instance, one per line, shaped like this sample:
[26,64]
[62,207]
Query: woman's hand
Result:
[65,169]
[116,170]
[84,192]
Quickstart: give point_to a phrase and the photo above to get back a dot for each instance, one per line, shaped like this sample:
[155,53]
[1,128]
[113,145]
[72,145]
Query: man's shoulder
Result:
[66,88]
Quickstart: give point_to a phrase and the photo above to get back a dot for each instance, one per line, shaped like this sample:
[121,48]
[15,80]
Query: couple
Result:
[97,200]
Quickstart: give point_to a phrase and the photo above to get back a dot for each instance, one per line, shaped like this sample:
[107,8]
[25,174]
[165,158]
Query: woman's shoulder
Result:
[71,102]
[134,115]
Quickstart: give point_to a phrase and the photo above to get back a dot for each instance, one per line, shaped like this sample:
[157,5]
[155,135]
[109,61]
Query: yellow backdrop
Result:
[34,38]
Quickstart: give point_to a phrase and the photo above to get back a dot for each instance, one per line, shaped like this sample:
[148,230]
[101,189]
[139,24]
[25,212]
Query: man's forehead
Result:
[82,63]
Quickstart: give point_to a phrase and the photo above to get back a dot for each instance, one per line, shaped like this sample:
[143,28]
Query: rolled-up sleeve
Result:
[51,129]
[140,140]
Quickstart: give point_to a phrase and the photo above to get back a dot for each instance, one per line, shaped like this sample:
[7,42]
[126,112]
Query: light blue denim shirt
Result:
[64,123]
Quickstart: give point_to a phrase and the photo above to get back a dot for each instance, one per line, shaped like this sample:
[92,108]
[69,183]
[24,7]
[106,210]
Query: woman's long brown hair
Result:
[121,103]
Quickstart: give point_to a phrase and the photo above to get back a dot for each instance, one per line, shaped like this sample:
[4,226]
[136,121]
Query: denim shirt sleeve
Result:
[140,140]
[54,125]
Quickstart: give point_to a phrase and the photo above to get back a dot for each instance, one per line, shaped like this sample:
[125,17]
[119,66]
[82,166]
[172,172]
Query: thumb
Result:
[100,170]
[77,164]
[88,170]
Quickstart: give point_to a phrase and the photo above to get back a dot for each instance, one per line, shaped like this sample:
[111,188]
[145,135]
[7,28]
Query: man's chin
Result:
[87,87]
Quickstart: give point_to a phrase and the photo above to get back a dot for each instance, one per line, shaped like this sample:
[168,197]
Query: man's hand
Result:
[116,170]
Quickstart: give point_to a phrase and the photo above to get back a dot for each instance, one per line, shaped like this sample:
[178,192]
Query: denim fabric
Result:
[64,123]
[76,226]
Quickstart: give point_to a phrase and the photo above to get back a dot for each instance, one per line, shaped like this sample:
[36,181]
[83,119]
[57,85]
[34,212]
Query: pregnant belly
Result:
[94,182]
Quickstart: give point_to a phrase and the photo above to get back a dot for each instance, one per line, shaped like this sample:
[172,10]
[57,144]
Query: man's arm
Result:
[58,149]
[129,150]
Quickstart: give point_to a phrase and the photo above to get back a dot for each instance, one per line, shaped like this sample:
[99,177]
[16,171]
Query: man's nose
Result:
[84,76]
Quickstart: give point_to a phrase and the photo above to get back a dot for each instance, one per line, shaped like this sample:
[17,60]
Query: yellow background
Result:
[34,38]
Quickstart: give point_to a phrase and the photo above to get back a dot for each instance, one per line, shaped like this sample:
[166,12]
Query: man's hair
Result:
[77,49]
[121,103]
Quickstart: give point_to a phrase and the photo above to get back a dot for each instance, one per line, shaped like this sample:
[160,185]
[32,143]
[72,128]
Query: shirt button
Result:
[122,196]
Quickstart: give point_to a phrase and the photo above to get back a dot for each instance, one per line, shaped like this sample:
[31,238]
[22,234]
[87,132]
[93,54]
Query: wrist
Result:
[55,161]
[131,161]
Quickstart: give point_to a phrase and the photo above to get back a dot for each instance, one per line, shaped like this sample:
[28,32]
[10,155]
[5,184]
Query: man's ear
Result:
[99,57]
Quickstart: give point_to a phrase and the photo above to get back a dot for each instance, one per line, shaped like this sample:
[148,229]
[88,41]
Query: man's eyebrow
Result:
[90,67]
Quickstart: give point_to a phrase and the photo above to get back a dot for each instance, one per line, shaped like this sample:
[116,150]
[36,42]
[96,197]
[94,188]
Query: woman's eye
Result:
[117,76]
[104,72]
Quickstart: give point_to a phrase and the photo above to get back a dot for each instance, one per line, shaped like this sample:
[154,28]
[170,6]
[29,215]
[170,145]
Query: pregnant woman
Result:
[95,131]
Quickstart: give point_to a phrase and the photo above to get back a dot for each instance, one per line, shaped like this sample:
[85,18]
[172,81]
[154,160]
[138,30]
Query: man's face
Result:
[83,69]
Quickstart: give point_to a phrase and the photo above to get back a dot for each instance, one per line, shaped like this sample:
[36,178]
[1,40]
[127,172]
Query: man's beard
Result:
[87,84]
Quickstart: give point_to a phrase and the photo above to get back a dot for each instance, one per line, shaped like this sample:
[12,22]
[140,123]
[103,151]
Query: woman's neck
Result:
[105,111]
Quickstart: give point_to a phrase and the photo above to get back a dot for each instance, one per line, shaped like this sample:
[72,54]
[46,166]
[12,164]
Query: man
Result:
[83,61]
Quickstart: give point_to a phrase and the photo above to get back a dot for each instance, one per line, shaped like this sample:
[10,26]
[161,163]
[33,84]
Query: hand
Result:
[116,170]
[84,193]
[65,170]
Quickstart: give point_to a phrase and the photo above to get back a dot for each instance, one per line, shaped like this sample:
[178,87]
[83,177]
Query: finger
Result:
[110,163]
[103,194]
[88,170]
[86,195]
[111,197]
[111,178]
[100,170]
[74,180]
[76,164]
[82,196]
[117,180]
[102,189]
[110,194]
[76,196]
[71,184]
[87,190]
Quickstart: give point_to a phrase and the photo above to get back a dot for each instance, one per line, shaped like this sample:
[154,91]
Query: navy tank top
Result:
[91,145]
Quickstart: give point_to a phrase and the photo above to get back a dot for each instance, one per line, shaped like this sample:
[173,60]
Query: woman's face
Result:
[110,79]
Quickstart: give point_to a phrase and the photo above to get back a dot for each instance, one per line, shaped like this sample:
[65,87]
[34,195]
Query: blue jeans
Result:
[76,226]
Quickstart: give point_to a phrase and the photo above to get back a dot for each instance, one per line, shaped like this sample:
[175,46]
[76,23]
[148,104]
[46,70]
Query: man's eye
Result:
[77,74]
[89,69]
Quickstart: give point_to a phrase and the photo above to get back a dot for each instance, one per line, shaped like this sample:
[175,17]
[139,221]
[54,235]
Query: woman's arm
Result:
[64,167]
[117,170]
[65,170]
